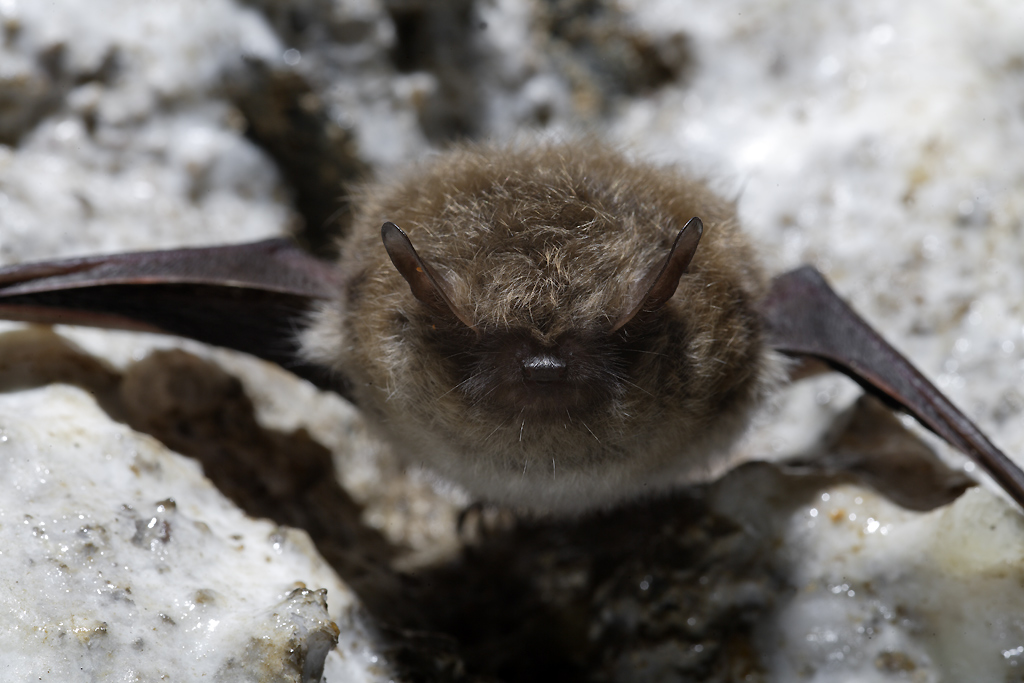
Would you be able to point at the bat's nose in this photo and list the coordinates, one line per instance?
(543, 368)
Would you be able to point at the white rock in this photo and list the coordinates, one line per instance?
(119, 556)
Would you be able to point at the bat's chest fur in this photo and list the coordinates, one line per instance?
(554, 458)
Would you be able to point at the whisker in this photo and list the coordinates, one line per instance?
(500, 425)
(485, 395)
(650, 353)
(465, 381)
(635, 385)
(589, 430)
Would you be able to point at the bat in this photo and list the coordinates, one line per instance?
(555, 327)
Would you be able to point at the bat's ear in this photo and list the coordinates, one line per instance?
(426, 285)
(661, 282)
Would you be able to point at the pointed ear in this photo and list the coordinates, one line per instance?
(426, 285)
(661, 282)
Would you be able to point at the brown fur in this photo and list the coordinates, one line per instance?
(540, 247)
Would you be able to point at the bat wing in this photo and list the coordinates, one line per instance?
(249, 297)
(256, 297)
(804, 317)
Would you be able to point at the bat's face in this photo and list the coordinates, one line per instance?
(520, 380)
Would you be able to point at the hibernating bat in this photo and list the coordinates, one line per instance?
(554, 327)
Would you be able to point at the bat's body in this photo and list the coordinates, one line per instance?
(536, 368)
(561, 337)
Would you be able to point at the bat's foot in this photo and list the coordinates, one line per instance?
(480, 520)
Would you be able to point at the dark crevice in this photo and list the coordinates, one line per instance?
(26, 102)
(440, 38)
(605, 58)
(317, 157)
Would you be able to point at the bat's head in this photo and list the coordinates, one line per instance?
(538, 361)
(548, 326)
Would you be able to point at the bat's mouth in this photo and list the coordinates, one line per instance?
(549, 386)
(518, 376)
(548, 399)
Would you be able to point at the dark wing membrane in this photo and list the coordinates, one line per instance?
(805, 317)
(249, 297)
